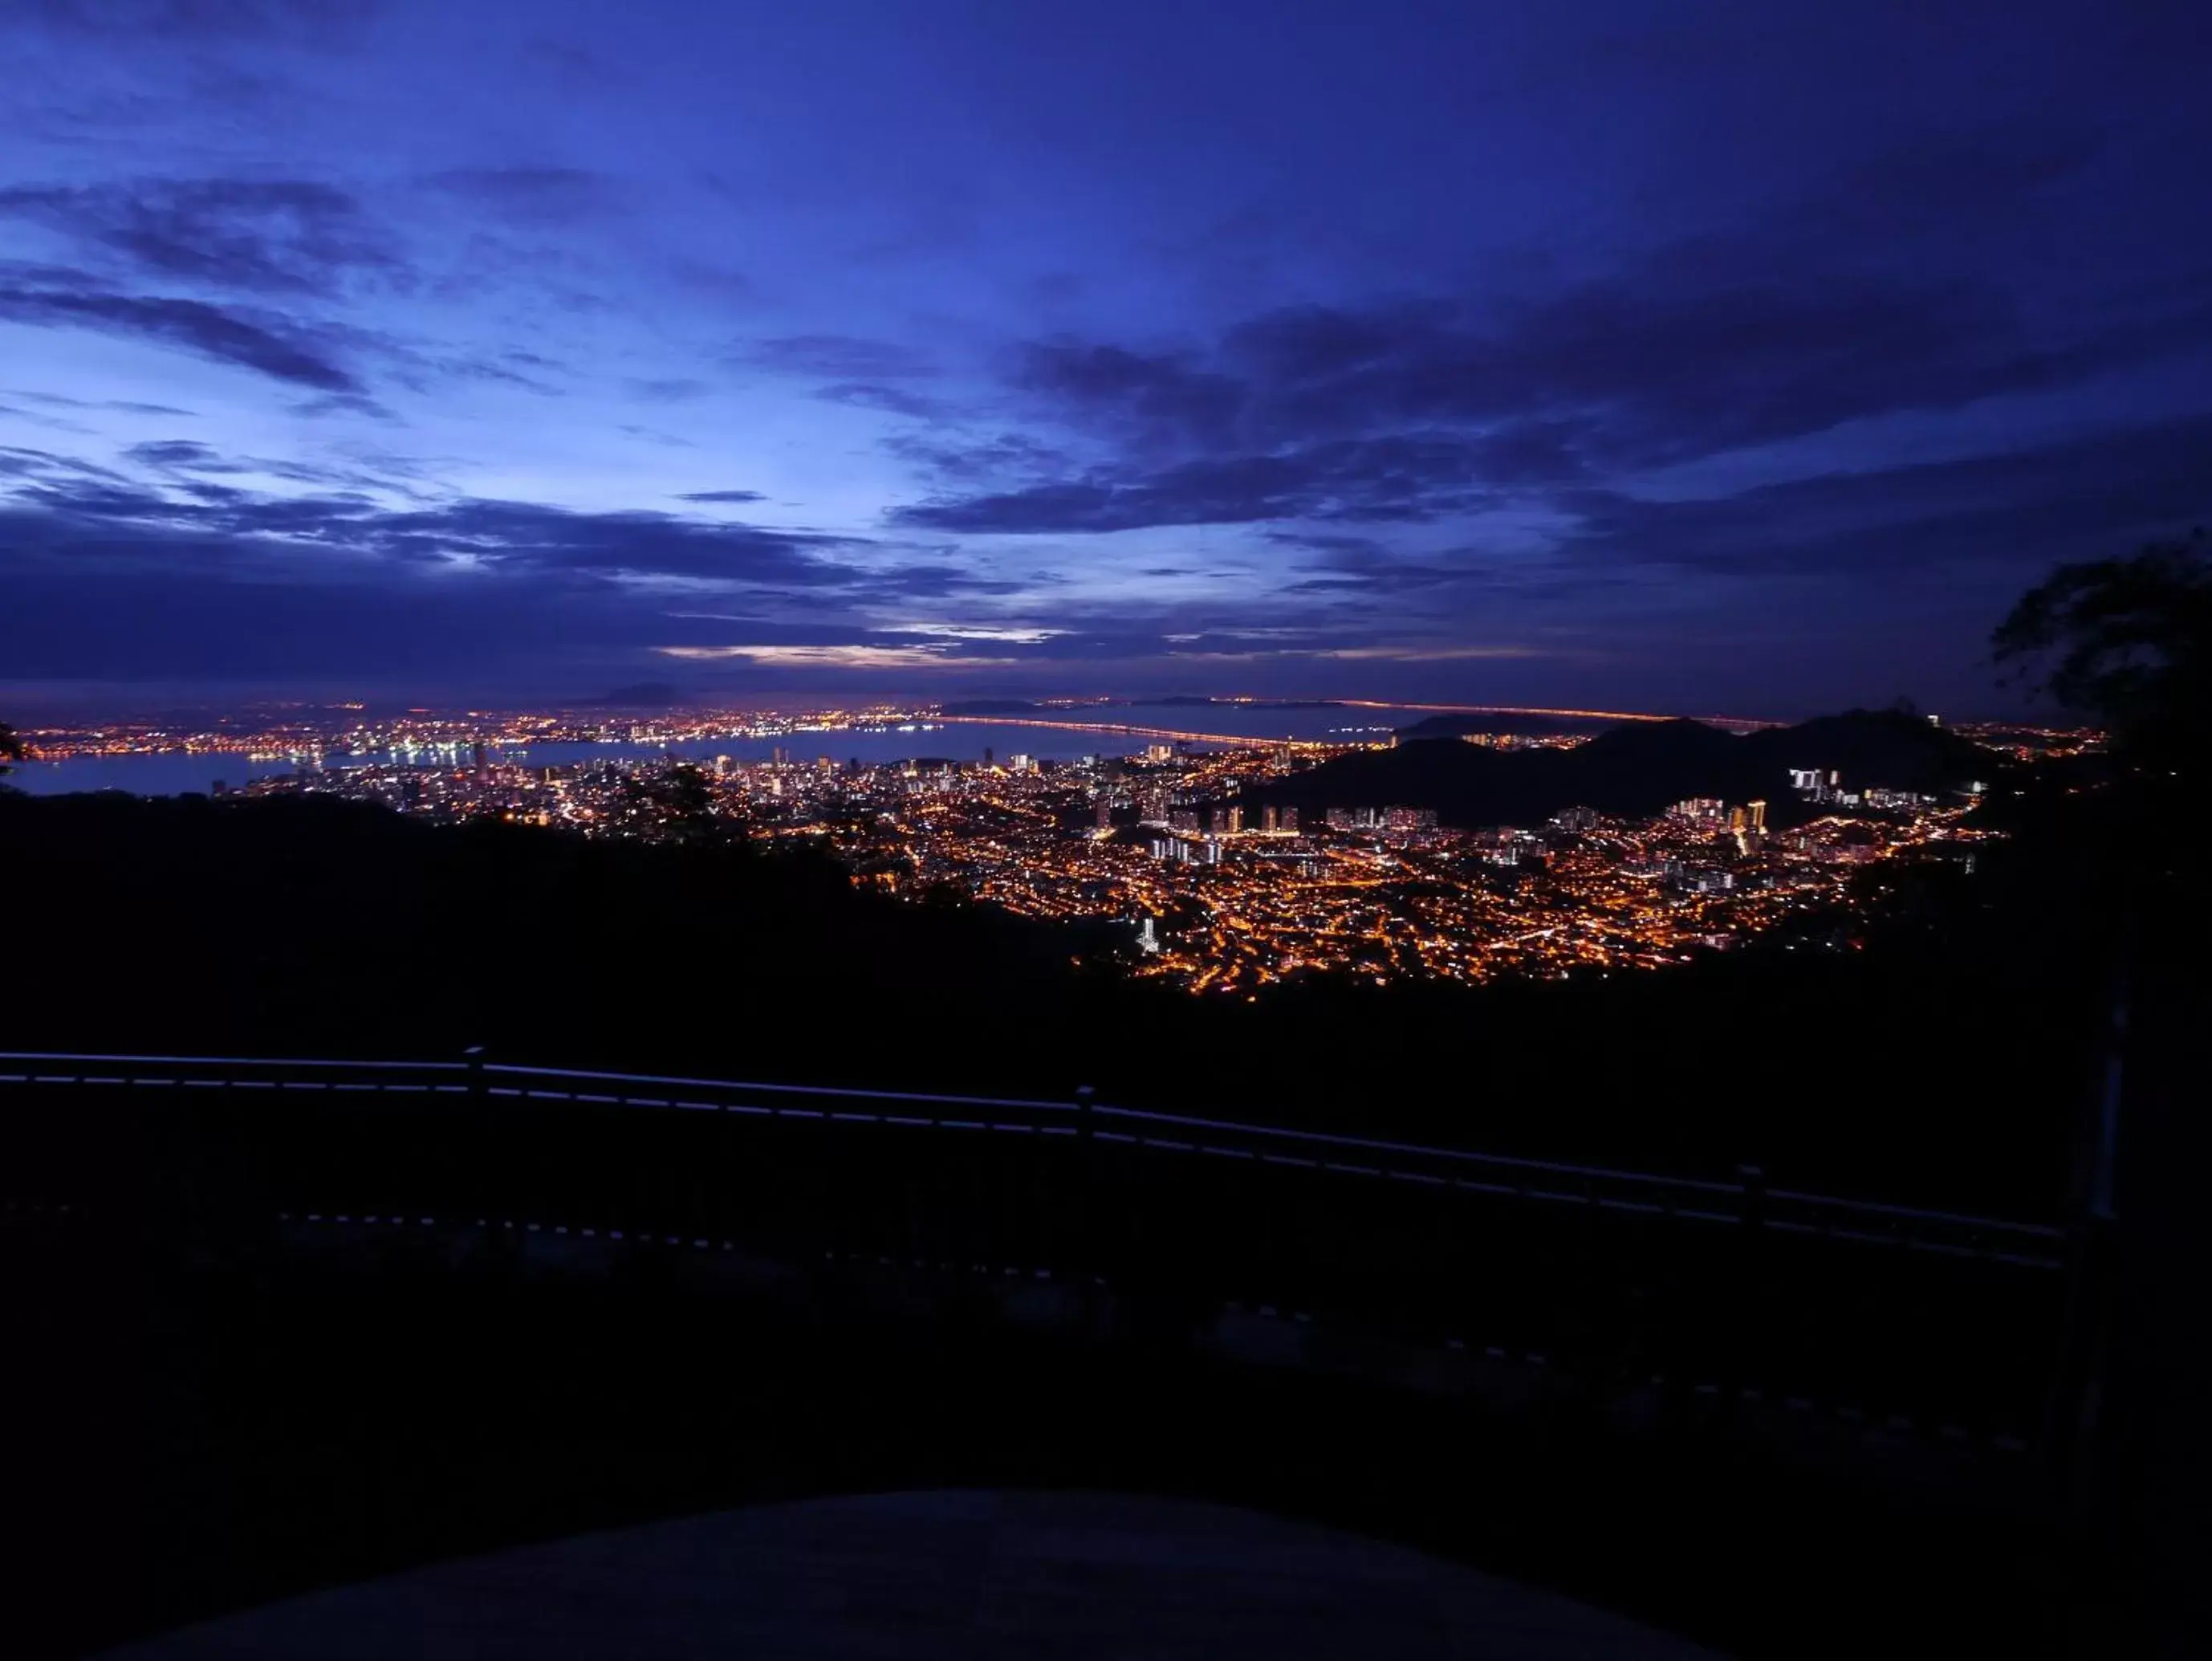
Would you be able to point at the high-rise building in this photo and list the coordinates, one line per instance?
(1755, 812)
(1236, 820)
(1021, 763)
(1270, 819)
(1105, 811)
(1290, 820)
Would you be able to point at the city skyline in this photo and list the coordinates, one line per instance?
(379, 349)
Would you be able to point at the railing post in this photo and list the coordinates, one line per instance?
(1754, 1282)
(474, 1055)
(1086, 1195)
(1754, 1206)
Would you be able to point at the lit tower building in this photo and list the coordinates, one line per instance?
(1755, 812)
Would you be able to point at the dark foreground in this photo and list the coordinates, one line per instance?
(256, 1362)
(933, 1575)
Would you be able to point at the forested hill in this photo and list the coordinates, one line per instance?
(1640, 769)
(294, 926)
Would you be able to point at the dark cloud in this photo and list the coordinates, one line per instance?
(836, 357)
(1010, 455)
(187, 456)
(1417, 412)
(721, 496)
(19, 461)
(1763, 332)
(1405, 479)
(265, 235)
(281, 350)
(178, 452)
(321, 23)
(2010, 514)
(202, 579)
(891, 400)
(934, 582)
(534, 195)
(672, 390)
(78, 513)
(61, 401)
(357, 404)
(1148, 400)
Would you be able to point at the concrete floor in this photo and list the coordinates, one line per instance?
(1074, 1577)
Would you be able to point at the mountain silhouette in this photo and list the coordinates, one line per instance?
(1639, 769)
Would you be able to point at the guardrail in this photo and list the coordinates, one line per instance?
(1900, 1313)
(1745, 1202)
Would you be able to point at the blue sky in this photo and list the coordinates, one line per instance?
(1714, 356)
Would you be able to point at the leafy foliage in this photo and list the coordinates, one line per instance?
(2128, 642)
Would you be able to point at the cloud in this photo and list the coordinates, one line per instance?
(127, 406)
(830, 657)
(1401, 478)
(296, 237)
(2010, 514)
(672, 390)
(178, 452)
(654, 435)
(891, 400)
(996, 460)
(1771, 333)
(318, 22)
(836, 357)
(280, 349)
(517, 538)
(1147, 401)
(721, 496)
(355, 404)
(532, 195)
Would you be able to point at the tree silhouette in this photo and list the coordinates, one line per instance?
(2127, 642)
(11, 748)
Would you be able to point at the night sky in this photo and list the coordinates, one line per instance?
(1684, 356)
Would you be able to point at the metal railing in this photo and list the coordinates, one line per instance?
(1744, 1202)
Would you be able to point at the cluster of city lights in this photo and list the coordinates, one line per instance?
(1215, 886)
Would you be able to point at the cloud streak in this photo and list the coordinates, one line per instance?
(278, 348)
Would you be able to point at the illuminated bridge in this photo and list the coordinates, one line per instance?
(412, 1309)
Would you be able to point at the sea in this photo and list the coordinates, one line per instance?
(170, 773)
